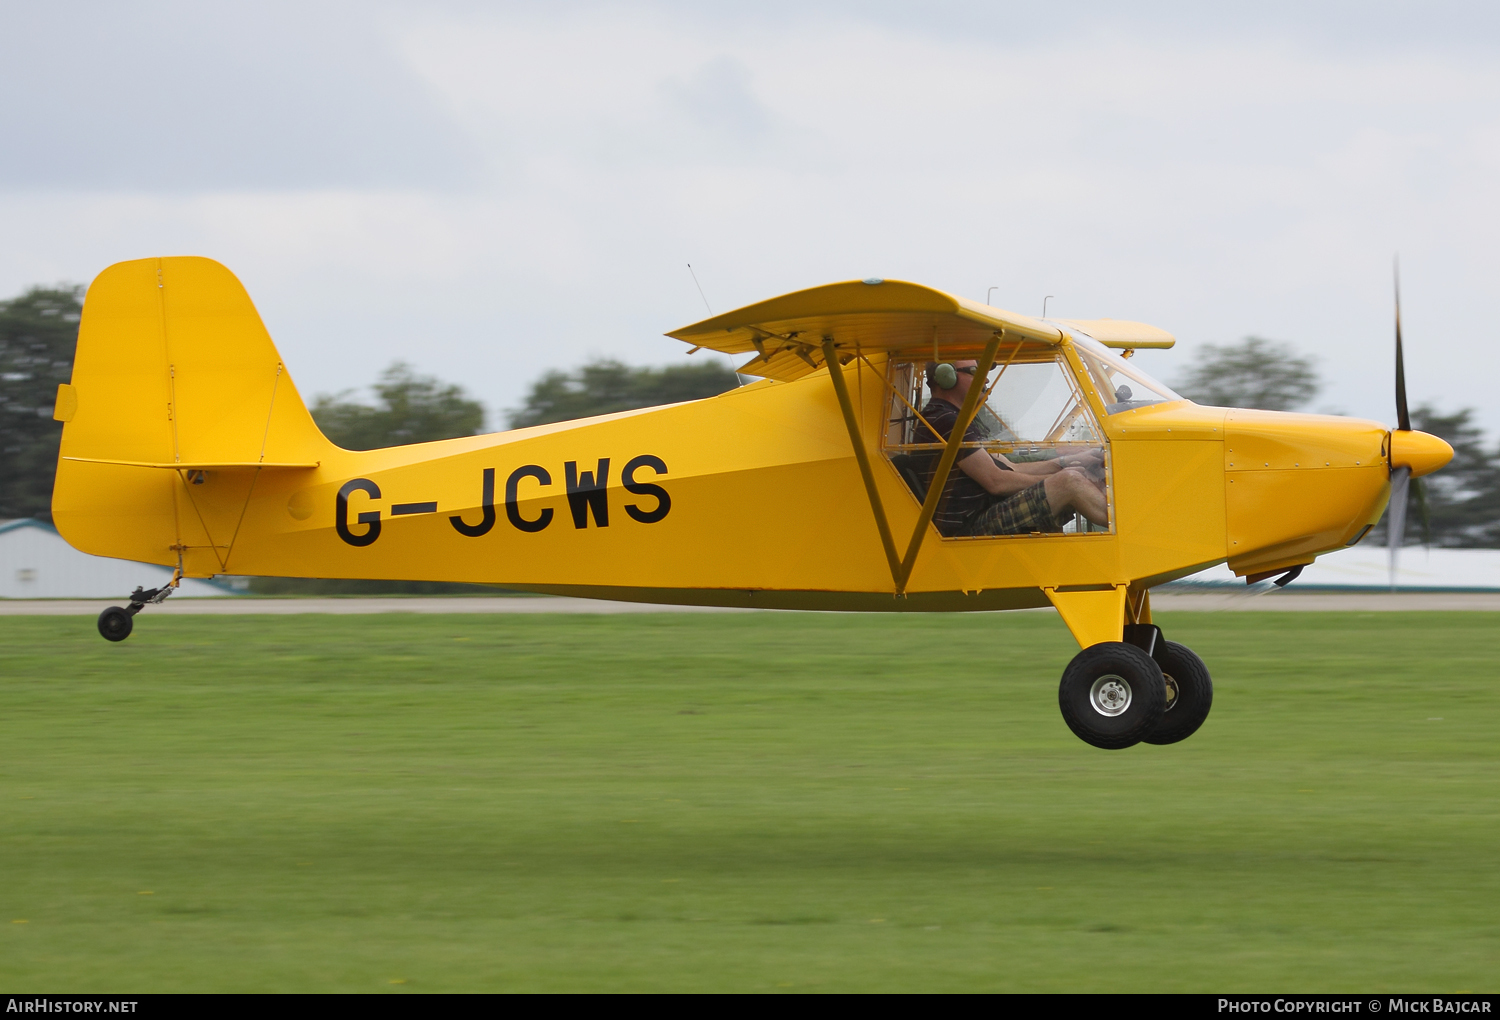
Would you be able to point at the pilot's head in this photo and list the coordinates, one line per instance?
(961, 378)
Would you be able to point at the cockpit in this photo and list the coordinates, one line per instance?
(1032, 411)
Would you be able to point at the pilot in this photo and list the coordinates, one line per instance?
(988, 494)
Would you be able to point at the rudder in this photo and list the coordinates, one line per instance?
(178, 401)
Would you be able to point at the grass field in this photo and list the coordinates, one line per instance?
(739, 802)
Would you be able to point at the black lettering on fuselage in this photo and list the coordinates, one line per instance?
(663, 501)
(588, 491)
(368, 517)
(512, 502)
(487, 504)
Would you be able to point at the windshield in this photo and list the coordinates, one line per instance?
(1120, 385)
(1036, 402)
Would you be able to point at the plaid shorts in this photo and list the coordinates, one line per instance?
(1019, 514)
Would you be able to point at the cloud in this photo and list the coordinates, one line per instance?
(191, 97)
(492, 191)
(717, 100)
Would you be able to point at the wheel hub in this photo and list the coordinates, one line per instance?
(1171, 691)
(1110, 695)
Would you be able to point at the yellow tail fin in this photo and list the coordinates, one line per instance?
(175, 381)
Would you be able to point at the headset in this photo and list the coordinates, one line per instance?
(943, 375)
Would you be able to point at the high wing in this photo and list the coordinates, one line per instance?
(1122, 334)
(867, 316)
(206, 465)
(907, 320)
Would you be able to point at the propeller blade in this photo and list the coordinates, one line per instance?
(1424, 510)
(1395, 518)
(1403, 417)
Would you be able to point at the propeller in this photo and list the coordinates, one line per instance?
(1403, 417)
(1401, 477)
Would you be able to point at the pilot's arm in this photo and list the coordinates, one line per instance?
(1091, 461)
(999, 476)
(995, 479)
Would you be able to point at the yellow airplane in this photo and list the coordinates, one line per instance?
(839, 481)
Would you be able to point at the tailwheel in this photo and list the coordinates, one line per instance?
(115, 623)
(1190, 693)
(1112, 695)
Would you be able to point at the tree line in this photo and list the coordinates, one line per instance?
(39, 329)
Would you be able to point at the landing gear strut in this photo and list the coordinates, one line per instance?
(1120, 693)
(116, 622)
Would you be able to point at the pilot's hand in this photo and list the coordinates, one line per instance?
(1089, 460)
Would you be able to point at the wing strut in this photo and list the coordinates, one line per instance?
(836, 373)
(950, 456)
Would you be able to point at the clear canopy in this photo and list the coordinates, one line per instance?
(1120, 384)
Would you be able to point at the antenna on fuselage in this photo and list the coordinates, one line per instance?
(700, 288)
(737, 377)
(989, 292)
(1049, 297)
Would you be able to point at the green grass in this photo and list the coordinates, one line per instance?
(739, 802)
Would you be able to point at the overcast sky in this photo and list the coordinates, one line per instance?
(491, 190)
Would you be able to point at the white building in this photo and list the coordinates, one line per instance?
(35, 563)
(1367, 568)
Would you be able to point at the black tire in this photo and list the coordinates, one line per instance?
(1194, 694)
(115, 624)
(1112, 695)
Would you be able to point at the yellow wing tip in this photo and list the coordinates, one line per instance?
(1123, 334)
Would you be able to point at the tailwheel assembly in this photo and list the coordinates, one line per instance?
(1113, 695)
(116, 622)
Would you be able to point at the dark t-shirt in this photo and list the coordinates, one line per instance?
(962, 496)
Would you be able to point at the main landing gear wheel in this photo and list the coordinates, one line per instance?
(1112, 695)
(115, 624)
(1190, 693)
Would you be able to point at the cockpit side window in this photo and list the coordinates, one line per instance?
(1033, 414)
